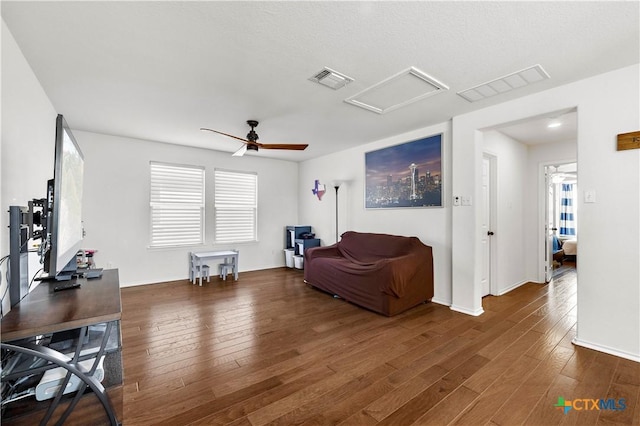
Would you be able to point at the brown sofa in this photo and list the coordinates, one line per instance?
(387, 274)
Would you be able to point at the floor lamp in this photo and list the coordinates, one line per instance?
(336, 185)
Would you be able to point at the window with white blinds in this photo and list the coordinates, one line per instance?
(236, 206)
(176, 205)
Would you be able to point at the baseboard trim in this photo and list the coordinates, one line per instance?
(475, 313)
(440, 302)
(512, 287)
(606, 349)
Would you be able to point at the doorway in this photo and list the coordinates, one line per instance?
(561, 220)
(521, 149)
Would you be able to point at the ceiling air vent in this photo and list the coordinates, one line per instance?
(332, 79)
(505, 84)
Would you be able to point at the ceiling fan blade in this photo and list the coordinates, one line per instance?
(225, 134)
(240, 152)
(296, 147)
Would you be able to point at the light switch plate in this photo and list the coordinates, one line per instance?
(590, 196)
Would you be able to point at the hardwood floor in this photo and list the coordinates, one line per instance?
(268, 349)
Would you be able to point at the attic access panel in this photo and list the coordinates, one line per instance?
(404, 88)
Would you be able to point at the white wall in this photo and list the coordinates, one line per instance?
(511, 157)
(116, 206)
(28, 140)
(534, 215)
(608, 270)
(431, 225)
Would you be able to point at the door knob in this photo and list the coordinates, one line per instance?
(489, 232)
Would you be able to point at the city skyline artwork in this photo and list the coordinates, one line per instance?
(405, 175)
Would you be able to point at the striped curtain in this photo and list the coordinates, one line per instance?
(567, 223)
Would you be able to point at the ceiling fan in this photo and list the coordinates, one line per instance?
(252, 144)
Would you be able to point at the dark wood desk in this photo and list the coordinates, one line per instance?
(44, 312)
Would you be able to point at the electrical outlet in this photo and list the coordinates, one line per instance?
(466, 200)
(456, 200)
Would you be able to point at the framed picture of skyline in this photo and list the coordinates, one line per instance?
(405, 175)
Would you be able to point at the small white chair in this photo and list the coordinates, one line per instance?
(202, 271)
(225, 269)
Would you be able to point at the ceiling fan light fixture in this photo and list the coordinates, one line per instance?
(240, 152)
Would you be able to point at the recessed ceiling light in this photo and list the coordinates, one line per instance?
(554, 124)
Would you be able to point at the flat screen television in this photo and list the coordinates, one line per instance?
(64, 199)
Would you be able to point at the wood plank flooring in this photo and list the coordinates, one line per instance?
(268, 349)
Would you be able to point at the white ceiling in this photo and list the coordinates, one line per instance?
(536, 130)
(161, 70)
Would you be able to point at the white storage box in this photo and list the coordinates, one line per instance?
(288, 257)
(298, 261)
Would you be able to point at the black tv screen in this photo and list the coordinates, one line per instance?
(65, 221)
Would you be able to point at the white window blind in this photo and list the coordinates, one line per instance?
(177, 205)
(236, 206)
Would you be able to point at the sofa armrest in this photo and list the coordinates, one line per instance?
(326, 251)
(402, 270)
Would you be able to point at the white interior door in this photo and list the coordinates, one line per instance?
(486, 231)
(549, 222)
